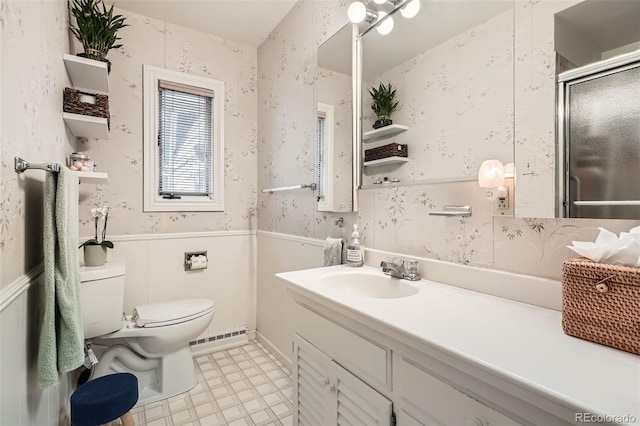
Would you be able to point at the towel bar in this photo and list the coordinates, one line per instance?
(311, 186)
(21, 165)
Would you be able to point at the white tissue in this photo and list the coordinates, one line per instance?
(611, 249)
(198, 262)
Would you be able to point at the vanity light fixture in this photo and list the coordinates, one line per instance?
(410, 8)
(491, 176)
(358, 12)
(386, 26)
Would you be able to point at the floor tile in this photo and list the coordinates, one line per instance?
(242, 386)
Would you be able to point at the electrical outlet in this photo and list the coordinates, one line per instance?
(503, 203)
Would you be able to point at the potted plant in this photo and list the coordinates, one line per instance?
(96, 28)
(95, 252)
(383, 104)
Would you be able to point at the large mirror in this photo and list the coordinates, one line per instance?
(452, 69)
(479, 79)
(334, 148)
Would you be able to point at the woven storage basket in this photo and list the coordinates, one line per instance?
(601, 303)
(386, 151)
(72, 104)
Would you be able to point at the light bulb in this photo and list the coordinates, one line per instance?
(380, 1)
(385, 27)
(357, 12)
(491, 174)
(410, 9)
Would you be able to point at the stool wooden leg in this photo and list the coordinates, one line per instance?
(127, 419)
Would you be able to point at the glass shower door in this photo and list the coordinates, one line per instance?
(602, 144)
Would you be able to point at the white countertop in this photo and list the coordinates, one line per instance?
(523, 343)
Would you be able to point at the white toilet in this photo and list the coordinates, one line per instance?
(152, 342)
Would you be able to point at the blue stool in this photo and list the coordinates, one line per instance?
(104, 399)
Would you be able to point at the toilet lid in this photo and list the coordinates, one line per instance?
(174, 312)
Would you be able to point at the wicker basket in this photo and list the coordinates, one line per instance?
(386, 151)
(601, 303)
(72, 104)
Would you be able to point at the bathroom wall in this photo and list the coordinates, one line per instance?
(33, 79)
(33, 37)
(154, 42)
(153, 244)
(397, 219)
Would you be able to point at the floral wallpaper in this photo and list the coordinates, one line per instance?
(33, 37)
(457, 100)
(158, 43)
(397, 219)
(289, 86)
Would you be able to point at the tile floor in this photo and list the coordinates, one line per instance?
(246, 385)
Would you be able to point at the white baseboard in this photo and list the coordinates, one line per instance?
(275, 351)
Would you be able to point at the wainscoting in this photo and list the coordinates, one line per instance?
(155, 273)
(22, 401)
(280, 253)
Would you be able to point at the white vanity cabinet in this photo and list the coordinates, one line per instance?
(327, 394)
(342, 376)
(450, 356)
(427, 400)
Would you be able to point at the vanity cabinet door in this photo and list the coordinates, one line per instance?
(324, 393)
(430, 401)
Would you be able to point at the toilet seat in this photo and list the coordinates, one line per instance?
(169, 313)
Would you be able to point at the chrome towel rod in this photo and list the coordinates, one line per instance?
(21, 165)
(311, 186)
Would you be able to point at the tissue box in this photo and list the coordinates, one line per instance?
(601, 303)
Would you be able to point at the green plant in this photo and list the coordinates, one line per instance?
(96, 27)
(96, 214)
(384, 103)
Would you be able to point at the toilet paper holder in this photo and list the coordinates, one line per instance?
(193, 260)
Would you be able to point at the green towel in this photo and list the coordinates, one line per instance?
(334, 251)
(61, 347)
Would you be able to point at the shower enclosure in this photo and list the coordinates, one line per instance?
(599, 139)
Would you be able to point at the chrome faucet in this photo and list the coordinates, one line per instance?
(396, 268)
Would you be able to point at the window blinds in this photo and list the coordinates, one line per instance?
(320, 166)
(185, 140)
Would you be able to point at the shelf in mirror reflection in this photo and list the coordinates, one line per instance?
(388, 160)
(384, 132)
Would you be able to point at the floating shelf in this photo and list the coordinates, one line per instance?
(100, 178)
(384, 132)
(86, 126)
(388, 160)
(86, 73)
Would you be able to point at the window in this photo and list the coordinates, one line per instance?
(184, 147)
(324, 156)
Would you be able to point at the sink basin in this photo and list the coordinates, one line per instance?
(368, 284)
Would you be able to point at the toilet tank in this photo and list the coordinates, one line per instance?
(102, 298)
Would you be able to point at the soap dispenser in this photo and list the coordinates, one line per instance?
(355, 250)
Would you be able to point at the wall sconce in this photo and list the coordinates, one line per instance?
(491, 176)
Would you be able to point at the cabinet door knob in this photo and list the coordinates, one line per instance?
(474, 422)
(332, 388)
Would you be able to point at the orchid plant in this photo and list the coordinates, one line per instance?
(96, 214)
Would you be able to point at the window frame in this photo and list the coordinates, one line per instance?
(325, 204)
(153, 201)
